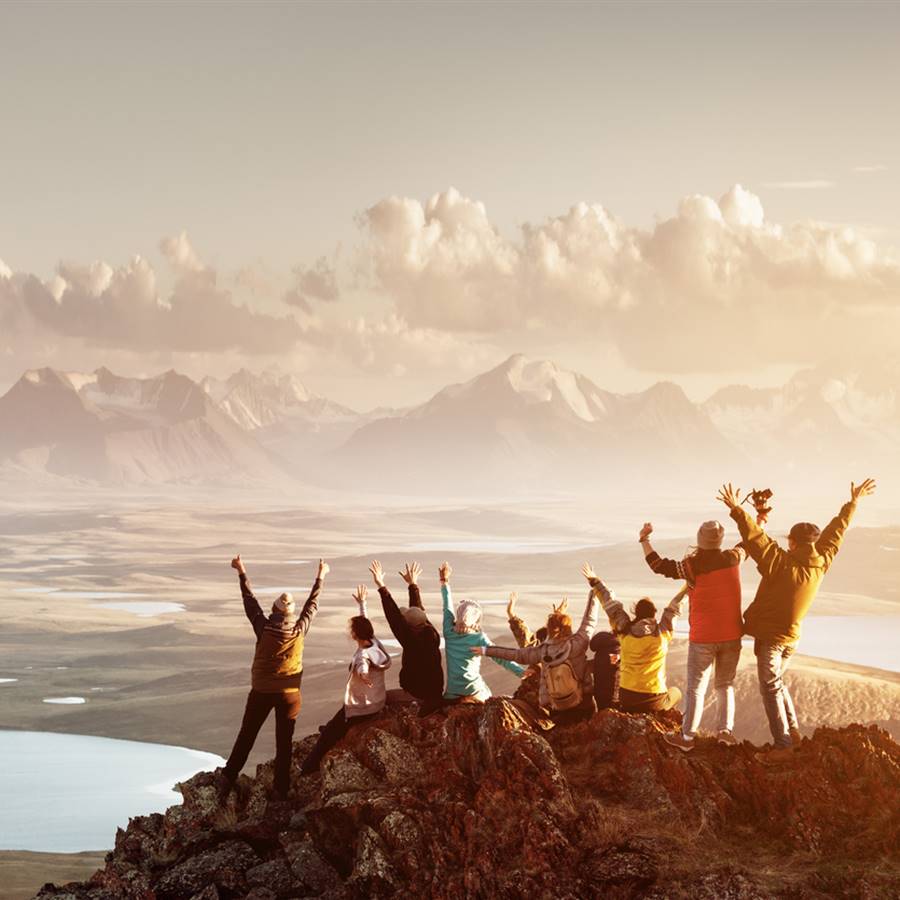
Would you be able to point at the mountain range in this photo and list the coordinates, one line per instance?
(524, 420)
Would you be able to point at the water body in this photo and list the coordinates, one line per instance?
(66, 701)
(63, 793)
(144, 608)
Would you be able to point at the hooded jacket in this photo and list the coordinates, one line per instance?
(790, 578)
(644, 643)
(368, 664)
(553, 653)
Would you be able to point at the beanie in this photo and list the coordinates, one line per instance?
(414, 616)
(804, 533)
(284, 603)
(710, 535)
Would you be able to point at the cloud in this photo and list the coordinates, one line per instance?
(814, 184)
(713, 282)
(180, 253)
(318, 282)
(865, 170)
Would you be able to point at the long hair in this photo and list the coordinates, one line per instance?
(559, 626)
(361, 628)
(645, 608)
(468, 617)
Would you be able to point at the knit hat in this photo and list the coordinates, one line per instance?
(284, 603)
(804, 533)
(414, 616)
(710, 535)
(468, 617)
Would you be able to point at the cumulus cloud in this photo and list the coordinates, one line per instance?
(715, 280)
(180, 253)
(317, 282)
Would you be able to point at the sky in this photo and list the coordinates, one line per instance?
(388, 197)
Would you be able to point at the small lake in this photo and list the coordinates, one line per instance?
(63, 793)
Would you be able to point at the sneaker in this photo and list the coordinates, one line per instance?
(680, 741)
(796, 737)
(775, 757)
(727, 738)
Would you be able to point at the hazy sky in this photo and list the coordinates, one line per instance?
(284, 157)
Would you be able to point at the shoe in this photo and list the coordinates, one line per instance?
(224, 787)
(680, 741)
(796, 737)
(727, 738)
(278, 796)
(775, 757)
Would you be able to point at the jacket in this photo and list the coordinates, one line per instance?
(367, 664)
(278, 660)
(790, 578)
(644, 643)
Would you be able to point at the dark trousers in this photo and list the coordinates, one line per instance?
(580, 713)
(287, 707)
(329, 734)
(638, 702)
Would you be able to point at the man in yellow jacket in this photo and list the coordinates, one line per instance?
(790, 581)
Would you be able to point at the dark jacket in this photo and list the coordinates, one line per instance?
(790, 578)
(421, 672)
(606, 673)
(278, 661)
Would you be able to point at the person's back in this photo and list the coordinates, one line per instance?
(605, 664)
(365, 693)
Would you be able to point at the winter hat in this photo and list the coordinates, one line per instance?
(804, 533)
(415, 616)
(468, 617)
(710, 535)
(284, 603)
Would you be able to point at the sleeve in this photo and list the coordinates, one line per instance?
(528, 655)
(361, 665)
(589, 620)
(310, 608)
(672, 612)
(252, 609)
(831, 538)
(668, 568)
(765, 552)
(449, 618)
(618, 618)
(415, 597)
(508, 664)
(521, 632)
(393, 615)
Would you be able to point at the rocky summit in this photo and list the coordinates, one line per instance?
(485, 801)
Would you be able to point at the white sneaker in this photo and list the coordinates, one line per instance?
(680, 741)
(727, 738)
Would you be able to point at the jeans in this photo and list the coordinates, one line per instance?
(287, 706)
(771, 663)
(701, 657)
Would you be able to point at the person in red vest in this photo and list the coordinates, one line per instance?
(714, 591)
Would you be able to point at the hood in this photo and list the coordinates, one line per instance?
(555, 652)
(377, 655)
(807, 555)
(643, 627)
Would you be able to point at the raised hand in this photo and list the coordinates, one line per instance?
(862, 490)
(411, 573)
(237, 564)
(324, 569)
(511, 605)
(563, 606)
(444, 572)
(730, 496)
(588, 571)
(377, 573)
(646, 531)
(361, 593)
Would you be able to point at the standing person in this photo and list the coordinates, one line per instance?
(790, 581)
(462, 632)
(607, 654)
(565, 686)
(714, 594)
(275, 678)
(365, 694)
(645, 645)
(421, 672)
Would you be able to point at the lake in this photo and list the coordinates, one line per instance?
(63, 793)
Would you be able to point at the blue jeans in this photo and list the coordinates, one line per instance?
(701, 657)
(771, 663)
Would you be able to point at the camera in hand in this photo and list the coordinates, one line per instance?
(760, 502)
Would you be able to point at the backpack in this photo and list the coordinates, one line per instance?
(563, 686)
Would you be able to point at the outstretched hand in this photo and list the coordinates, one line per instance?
(324, 569)
(377, 573)
(444, 572)
(511, 605)
(361, 593)
(646, 531)
(730, 496)
(237, 564)
(476, 651)
(862, 490)
(411, 573)
(588, 571)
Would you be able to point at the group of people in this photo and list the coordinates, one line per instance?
(559, 682)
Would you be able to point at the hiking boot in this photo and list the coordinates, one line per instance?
(680, 741)
(727, 738)
(796, 737)
(224, 787)
(776, 756)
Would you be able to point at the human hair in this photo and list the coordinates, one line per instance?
(361, 628)
(645, 608)
(559, 626)
(541, 634)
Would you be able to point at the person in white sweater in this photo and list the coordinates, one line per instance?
(365, 694)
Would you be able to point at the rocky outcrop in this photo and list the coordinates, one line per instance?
(483, 802)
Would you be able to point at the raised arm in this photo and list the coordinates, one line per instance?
(410, 575)
(831, 538)
(444, 573)
(521, 632)
(360, 595)
(618, 618)
(589, 619)
(252, 609)
(392, 613)
(311, 607)
(672, 611)
(764, 551)
(668, 568)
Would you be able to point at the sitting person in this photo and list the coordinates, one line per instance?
(462, 632)
(607, 651)
(364, 695)
(714, 593)
(645, 644)
(421, 672)
(565, 681)
(529, 688)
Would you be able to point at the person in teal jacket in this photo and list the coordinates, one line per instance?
(462, 631)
